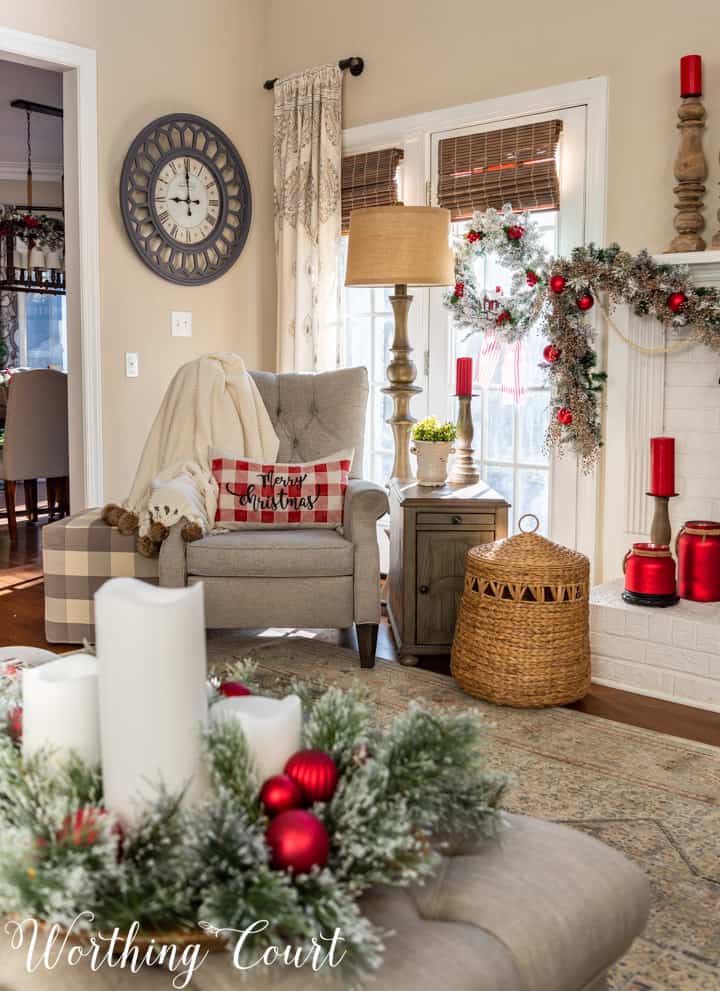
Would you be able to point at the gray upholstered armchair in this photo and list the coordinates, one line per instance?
(303, 578)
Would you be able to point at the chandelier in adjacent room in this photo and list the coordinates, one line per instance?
(32, 243)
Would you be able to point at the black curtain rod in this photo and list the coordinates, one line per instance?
(355, 64)
(37, 108)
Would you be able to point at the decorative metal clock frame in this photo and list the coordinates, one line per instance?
(211, 153)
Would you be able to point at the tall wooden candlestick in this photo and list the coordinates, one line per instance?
(691, 173)
(660, 530)
(464, 470)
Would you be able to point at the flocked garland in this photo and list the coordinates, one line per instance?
(555, 296)
(395, 791)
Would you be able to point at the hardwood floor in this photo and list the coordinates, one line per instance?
(22, 622)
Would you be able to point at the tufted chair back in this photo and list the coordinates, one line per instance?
(316, 415)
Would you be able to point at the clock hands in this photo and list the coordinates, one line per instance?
(185, 199)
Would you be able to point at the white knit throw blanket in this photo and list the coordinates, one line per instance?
(211, 402)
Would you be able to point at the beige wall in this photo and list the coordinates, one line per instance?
(422, 55)
(155, 58)
(44, 193)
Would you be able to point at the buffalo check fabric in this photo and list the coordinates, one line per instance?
(80, 553)
(254, 495)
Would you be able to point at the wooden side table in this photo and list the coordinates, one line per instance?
(431, 531)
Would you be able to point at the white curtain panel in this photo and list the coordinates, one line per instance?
(307, 157)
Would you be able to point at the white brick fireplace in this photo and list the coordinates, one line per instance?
(670, 653)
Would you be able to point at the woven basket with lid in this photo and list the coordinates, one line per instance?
(522, 634)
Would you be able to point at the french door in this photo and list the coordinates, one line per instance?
(509, 435)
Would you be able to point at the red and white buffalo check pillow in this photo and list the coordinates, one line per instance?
(252, 494)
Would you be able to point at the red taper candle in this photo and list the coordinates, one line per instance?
(691, 75)
(662, 466)
(463, 377)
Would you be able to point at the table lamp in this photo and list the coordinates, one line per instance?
(400, 246)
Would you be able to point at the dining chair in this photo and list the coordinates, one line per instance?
(36, 443)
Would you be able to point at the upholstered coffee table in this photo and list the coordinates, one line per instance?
(543, 908)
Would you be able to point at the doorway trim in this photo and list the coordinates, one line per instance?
(79, 68)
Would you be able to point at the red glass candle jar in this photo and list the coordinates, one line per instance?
(698, 553)
(649, 576)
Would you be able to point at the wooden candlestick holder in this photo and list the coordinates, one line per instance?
(691, 173)
(464, 470)
(660, 530)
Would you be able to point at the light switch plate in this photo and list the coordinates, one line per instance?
(132, 364)
(181, 323)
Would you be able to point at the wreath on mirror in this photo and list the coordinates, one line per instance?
(555, 295)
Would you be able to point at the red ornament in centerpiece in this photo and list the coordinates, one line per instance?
(565, 416)
(281, 793)
(551, 354)
(298, 841)
(233, 689)
(676, 301)
(532, 278)
(15, 722)
(585, 302)
(558, 283)
(316, 773)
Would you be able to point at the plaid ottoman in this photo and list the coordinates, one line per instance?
(80, 553)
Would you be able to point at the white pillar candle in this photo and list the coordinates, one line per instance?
(272, 728)
(153, 701)
(60, 708)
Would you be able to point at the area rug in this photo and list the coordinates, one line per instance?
(654, 797)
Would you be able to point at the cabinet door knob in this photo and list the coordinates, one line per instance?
(456, 520)
(424, 589)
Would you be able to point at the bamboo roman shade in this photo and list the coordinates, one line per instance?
(369, 179)
(515, 165)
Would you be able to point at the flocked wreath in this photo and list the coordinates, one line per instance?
(555, 294)
(374, 804)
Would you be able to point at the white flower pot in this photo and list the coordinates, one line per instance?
(432, 461)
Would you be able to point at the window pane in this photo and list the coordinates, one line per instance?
(533, 376)
(357, 300)
(359, 341)
(533, 496)
(382, 410)
(383, 339)
(532, 424)
(45, 331)
(501, 479)
(382, 466)
(381, 299)
(500, 428)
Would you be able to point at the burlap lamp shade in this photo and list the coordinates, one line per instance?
(400, 246)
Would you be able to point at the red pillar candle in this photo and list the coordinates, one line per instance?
(691, 75)
(662, 466)
(463, 377)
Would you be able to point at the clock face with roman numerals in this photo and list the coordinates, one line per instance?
(185, 199)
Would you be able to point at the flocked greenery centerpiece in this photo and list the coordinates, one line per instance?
(395, 791)
(556, 295)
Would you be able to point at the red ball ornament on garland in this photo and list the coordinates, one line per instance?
(565, 416)
(298, 841)
(558, 283)
(676, 301)
(281, 793)
(233, 689)
(459, 289)
(316, 773)
(515, 232)
(532, 278)
(473, 236)
(551, 354)
(585, 302)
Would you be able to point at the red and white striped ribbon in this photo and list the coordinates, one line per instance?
(487, 359)
(511, 375)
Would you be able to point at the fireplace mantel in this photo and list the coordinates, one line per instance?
(637, 409)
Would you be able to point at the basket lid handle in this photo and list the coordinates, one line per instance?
(529, 516)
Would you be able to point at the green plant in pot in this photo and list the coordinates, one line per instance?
(433, 445)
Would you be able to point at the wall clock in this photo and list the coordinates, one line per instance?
(185, 199)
